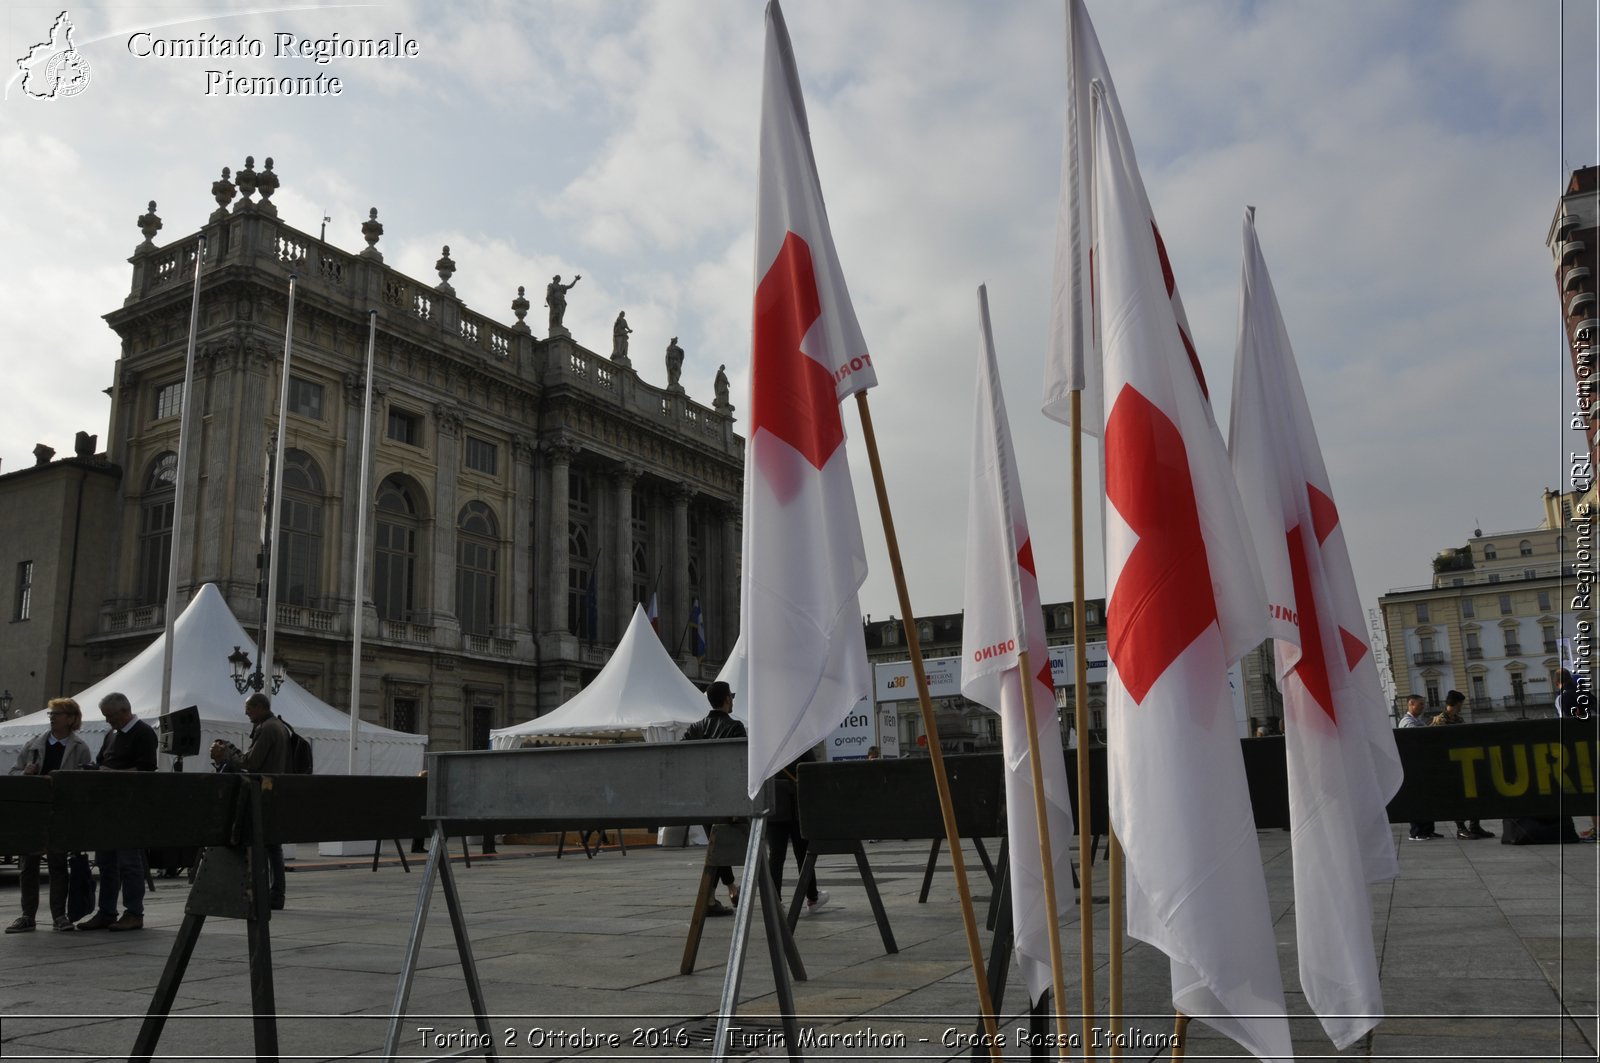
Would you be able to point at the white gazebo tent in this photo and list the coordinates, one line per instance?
(203, 637)
(640, 695)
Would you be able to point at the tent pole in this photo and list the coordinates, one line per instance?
(358, 597)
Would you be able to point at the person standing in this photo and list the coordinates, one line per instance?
(130, 745)
(268, 755)
(783, 831)
(718, 723)
(1421, 830)
(1466, 830)
(59, 749)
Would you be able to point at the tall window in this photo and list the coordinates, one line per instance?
(1479, 692)
(639, 529)
(477, 559)
(1544, 601)
(305, 398)
(395, 577)
(1422, 613)
(169, 400)
(1505, 605)
(24, 591)
(580, 563)
(405, 427)
(1468, 610)
(299, 563)
(403, 715)
(155, 529)
(482, 455)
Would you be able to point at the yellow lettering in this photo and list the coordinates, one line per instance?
(1468, 757)
(1558, 761)
(1497, 772)
(1541, 766)
(1585, 768)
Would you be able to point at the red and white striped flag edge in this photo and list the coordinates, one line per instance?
(1186, 601)
(804, 560)
(1003, 618)
(1342, 762)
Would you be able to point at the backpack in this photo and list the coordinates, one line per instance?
(300, 760)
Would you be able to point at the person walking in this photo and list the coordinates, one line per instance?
(718, 723)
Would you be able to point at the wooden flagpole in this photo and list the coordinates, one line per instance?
(1058, 980)
(1080, 699)
(931, 728)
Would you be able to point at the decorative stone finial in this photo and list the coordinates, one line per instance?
(266, 184)
(222, 190)
(371, 229)
(446, 269)
(246, 180)
(519, 306)
(149, 224)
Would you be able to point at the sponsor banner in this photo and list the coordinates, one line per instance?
(892, 680)
(849, 741)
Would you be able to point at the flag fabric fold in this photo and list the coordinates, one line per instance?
(1002, 620)
(1186, 600)
(1342, 761)
(804, 560)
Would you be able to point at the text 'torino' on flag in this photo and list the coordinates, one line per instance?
(804, 561)
(1185, 601)
(1342, 762)
(1002, 618)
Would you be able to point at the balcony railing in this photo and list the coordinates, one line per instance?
(1431, 657)
(401, 631)
(1474, 653)
(300, 616)
(489, 646)
(1513, 649)
(135, 619)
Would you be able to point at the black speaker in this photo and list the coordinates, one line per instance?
(180, 732)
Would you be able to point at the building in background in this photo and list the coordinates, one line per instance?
(526, 491)
(1492, 621)
(1574, 243)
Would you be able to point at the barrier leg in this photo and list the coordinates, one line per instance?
(469, 966)
(419, 923)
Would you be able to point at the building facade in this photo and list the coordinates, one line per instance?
(1496, 623)
(525, 492)
(1574, 243)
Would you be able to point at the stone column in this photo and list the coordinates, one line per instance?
(447, 455)
(675, 611)
(523, 474)
(728, 575)
(621, 568)
(558, 455)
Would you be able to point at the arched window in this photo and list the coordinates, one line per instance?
(299, 562)
(477, 562)
(155, 528)
(394, 579)
(1525, 548)
(1489, 552)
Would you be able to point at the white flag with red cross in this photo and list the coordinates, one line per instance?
(804, 561)
(1343, 765)
(1186, 600)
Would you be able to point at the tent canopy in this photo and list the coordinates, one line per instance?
(639, 694)
(203, 637)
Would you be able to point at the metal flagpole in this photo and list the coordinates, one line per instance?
(931, 727)
(265, 667)
(358, 609)
(185, 429)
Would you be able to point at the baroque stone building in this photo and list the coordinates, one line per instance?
(526, 491)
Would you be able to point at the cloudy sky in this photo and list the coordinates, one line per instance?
(1405, 159)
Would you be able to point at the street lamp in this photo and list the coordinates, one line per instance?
(245, 679)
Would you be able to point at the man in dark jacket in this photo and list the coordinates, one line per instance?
(130, 745)
(268, 755)
(718, 723)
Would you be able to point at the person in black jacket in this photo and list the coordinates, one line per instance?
(130, 745)
(718, 723)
